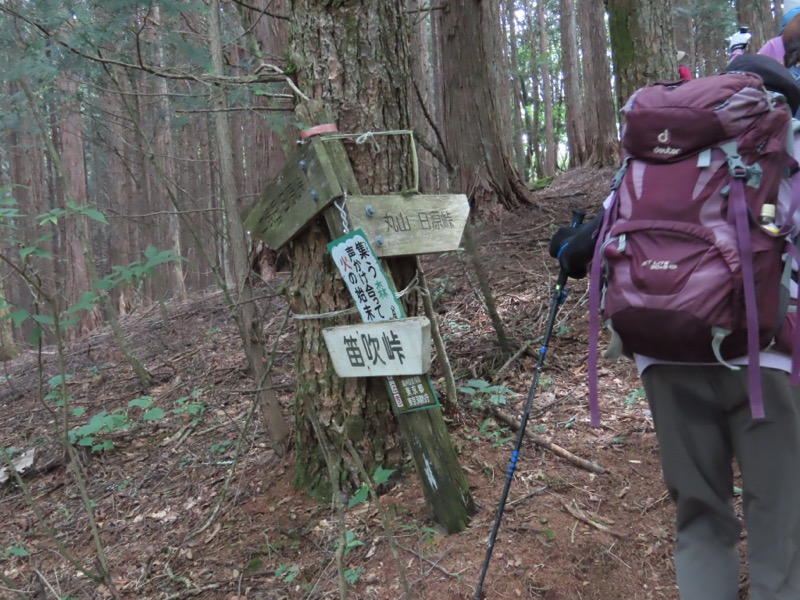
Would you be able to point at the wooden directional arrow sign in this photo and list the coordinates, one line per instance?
(400, 225)
(401, 347)
(306, 185)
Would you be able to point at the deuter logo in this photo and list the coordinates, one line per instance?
(659, 265)
(663, 137)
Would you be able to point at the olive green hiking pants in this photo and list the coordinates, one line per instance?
(702, 419)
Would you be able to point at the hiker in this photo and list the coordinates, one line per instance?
(683, 71)
(791, 44)
(774, 47)
(703, 420)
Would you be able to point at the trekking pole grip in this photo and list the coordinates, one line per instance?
(578, 215)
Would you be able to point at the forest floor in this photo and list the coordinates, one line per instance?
(567, 532)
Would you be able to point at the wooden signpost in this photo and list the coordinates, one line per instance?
(320, 173)
(400, 347)
(398, 225)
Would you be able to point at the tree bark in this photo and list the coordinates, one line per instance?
(757, 15)
(473, 105)
(345, 55)
(570, 63)
(516, 94)
(547, 95)
(598, 99)
(246, 318)
(642, 44)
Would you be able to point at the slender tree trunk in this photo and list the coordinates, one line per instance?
(756, 14)
(165, 162)
(516, 95)
(570, 63)
(547, 94)
(423, 109)
(249, 326)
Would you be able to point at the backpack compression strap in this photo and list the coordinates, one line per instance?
(740, 217)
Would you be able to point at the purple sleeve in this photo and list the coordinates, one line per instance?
(774, 49)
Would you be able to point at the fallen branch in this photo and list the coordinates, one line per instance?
(594, 521)
(435, 565)
(517, 354)
(545, 443)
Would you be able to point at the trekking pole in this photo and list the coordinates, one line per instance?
(559, 295)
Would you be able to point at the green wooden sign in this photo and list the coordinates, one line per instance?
(305, 186)
(374, 296)
(399, 225)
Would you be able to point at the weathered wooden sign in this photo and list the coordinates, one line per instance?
(401, 347)
(375, 299)
(399, 225)
(301, 190)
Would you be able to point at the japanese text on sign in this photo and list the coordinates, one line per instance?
(429, 220)
(365, 278)
(369, 349)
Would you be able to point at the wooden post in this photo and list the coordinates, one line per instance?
(443, 482)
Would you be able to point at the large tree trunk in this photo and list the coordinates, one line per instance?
(476, 142)
(353, 56)
(598, 100)
(642, 44)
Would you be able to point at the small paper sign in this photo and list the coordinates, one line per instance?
(364, 277)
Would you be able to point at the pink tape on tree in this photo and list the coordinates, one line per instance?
(318, 129)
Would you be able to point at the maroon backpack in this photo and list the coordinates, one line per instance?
(682, 269)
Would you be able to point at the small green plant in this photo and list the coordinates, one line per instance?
(287, 572)
(498, 436)
(380, 476)
(634, 396)
(190, 406)
(151, 413)
(104, 423)
(352, 575)
(14, 551)
(428, 535)
(351, 541)
(220, 447)
(101, 423)
(484, 394)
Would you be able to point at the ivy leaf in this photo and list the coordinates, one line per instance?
(154, 414)
(359, 497)
(382, 475)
